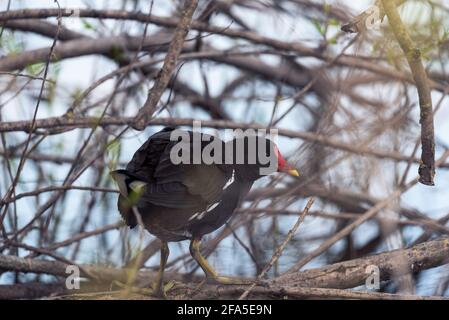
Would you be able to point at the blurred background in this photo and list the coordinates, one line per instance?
(348, 119)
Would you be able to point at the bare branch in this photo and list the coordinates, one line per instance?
(170, 62)
(346, 274)
(413, 55)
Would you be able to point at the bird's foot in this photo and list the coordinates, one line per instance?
(229, 280)
(153, 291)
(161, 291)
(127, 289)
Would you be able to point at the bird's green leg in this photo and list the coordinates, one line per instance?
(211, 274)
(158, 286)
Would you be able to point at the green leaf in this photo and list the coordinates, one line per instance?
(327, 8)
(113, 153)
(87, 25)
(10, 44)
(332, 40)
(35, 68)
(318, 26)
(334, 22)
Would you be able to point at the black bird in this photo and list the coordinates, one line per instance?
(185, 201)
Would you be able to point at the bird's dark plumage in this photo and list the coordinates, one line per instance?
(179, 201)
(183, 201)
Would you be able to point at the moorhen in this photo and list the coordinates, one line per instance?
(184, 201)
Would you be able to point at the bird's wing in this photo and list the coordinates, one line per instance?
(170, 195)
(193, 186)
(146, 158)
(199, 180)
(206, 181)
(177, 185)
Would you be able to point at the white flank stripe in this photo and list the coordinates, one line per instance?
(194, 216)
(230, 181)
(212, 207)
(200, 215)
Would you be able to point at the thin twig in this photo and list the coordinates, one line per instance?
(170, 62)
(277, 254)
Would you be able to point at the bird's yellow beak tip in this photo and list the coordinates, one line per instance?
(293, 172)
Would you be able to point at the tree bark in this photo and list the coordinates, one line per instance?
(344, 275)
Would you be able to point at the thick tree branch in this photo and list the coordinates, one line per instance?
(87, 122)
(413, 55)
(47, 29)
(352, 273)
(253, 37)
(32, 290)
(342, 275)
(57, 123)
